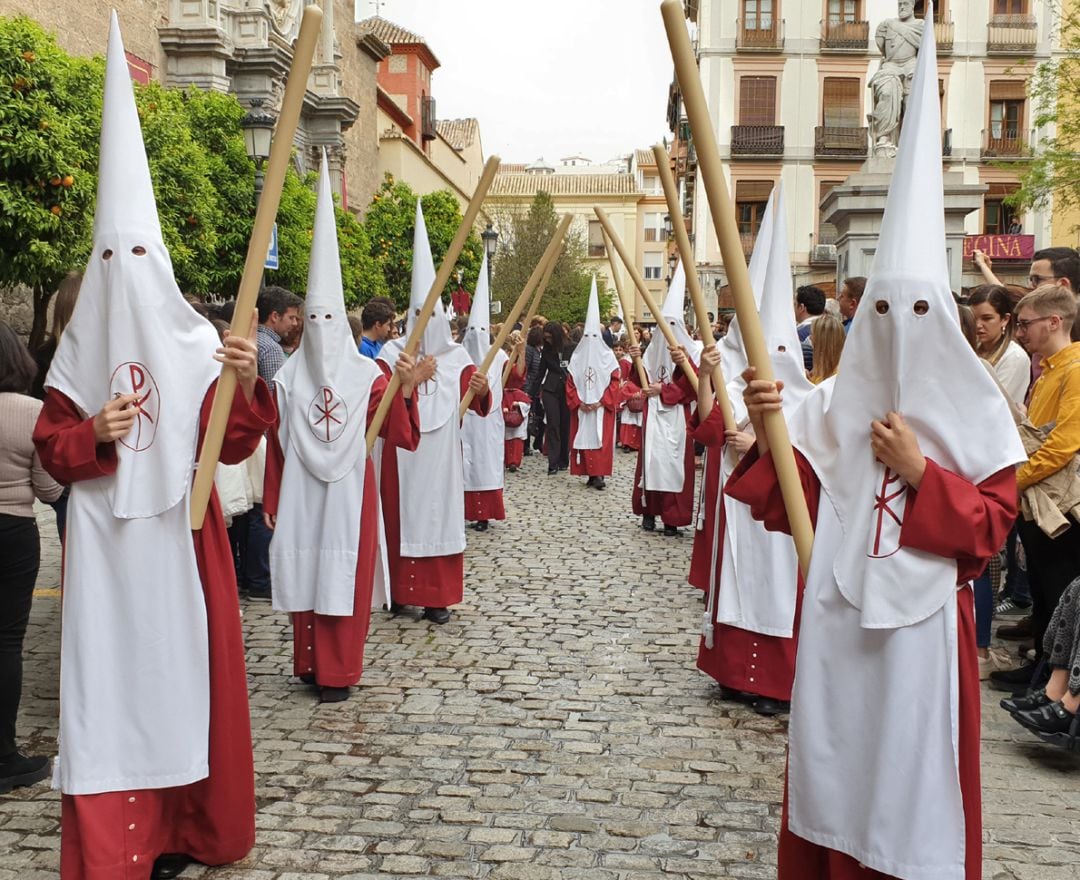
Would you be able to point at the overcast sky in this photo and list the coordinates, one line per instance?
(548, 78)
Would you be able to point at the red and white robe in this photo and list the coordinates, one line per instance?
(593, 462)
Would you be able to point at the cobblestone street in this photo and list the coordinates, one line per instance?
(556, 728)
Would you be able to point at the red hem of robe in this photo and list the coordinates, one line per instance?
(514, 450)
(673, 508)
(484, 504)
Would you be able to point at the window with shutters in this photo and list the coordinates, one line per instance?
(757, 100)
(1008, 99)
(844, 10)
(596, 239)
(998, 216)
(1010, 7)
(758, 15)
(654, 265)
(841, 103)
(654, 226)
(751, 199)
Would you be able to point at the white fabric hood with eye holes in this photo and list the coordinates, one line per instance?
(591, 366)
(657, 358)
(904, 353)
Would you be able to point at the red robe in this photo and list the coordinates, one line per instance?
(328, 647)
(514, 447)
(935, 520)
(117, 835)
(427, 581)
(674, 508)
(487, 504)
(593, 462)
(739, 659)
(629, 435)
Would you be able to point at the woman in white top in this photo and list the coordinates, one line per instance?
(992, 306)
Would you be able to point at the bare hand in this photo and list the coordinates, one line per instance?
(981, 260)
(652, 390)
(896, 446)
(740, 441)
(710, 358)
(589, 407)
(425, 369)
(405, 368)
(634, 351)
(678, 354)
(478, 384)
(242, 355)
(116, 418)
(271, 520)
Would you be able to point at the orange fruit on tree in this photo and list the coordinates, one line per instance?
(68, 181)
(57, 210)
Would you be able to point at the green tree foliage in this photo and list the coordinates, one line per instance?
(390, 223)
(525, 237)
(1054, 169)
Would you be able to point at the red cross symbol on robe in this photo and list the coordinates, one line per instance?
(134, 378)
(889, 500)
(327, 415)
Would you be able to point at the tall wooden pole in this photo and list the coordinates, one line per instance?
(248, 293)
(693, 286)
(550, 254)
(627, 308)
(534, 307)
(723, 216)
(416, 335)
(650, 303)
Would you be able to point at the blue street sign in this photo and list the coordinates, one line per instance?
(272, 253)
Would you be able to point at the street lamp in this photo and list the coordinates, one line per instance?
(258, 128)
(491, 238)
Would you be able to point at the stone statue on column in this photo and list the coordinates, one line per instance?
(898, 41)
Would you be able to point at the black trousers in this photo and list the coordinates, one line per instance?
(1052, 565)
(20, 550)
(557, 434)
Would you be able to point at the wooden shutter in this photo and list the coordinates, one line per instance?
(1008, 90)
(753, 190)
(842, 103)
(757, 100)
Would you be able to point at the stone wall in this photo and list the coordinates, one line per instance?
(17, 308)
(358, 69)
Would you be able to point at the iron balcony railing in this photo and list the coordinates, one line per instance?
(832, 141)
(757, 140)
(845, 36)
(759, 35)
(1012, 34)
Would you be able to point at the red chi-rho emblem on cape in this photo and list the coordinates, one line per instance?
(590, 378)
(134, 378)
(890, 498)
(327, 415)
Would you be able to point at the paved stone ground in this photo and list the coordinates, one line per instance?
(555, 729)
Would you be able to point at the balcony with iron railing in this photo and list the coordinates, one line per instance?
(845, 36)
(840, 142)
(944, 35)
(757, 140)
(1004, 143)
(759, 35)
(1012, 35)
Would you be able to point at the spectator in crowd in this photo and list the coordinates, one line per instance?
(827, 337)
(613, 331)
(809, 303)
(848, 300)
(378, 320)
(992, 307)
(1055, 265)
(553, 373)
(63, 305)
(356, 327)
(1044, 319)
(22, 479)
(279, 316)
(533, 342)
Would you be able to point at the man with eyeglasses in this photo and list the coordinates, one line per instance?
(1055, 265)
(1043, 322)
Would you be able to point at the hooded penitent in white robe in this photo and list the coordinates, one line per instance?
(482, 437)
(878, 637)
(430, 480)
(322, 393)
(134, 670)
(665, 438)
(591, 366)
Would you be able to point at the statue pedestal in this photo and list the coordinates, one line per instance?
(856, 207)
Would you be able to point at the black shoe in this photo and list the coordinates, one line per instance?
(169, 865)
(671, 532)
(1011, 680)
(648, 523)
(552, 471)
(1018, 631)
(769, 707)
(481, 526)
(17, 770)
(563, 467)
(526, 451)
(397, 608)
(259, 596)
(307, 678)
(333, 695)
(1052, 719)
(512, 468)
(732, 695)
(599, 483)
(590, 482)
(1025, 702)
(437, 615)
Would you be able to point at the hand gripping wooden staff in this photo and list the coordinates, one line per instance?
(534, 307)
(549, 255)
(627, 308)
(416, 335)
(723, 216)
(650, 303)
(686, 254)
(248, 294)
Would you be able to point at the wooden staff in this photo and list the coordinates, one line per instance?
(650, 303)
(534, 307)
(416, 335)
(248, 294)
(627, 309)
(723, 216)
(686, 254)
(549, 256)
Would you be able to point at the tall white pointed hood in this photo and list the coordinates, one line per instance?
(904, 353)
(437, 335)
(477, 338)
(592, 362)
(327, 382)
(132, 331)
(657, 358)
